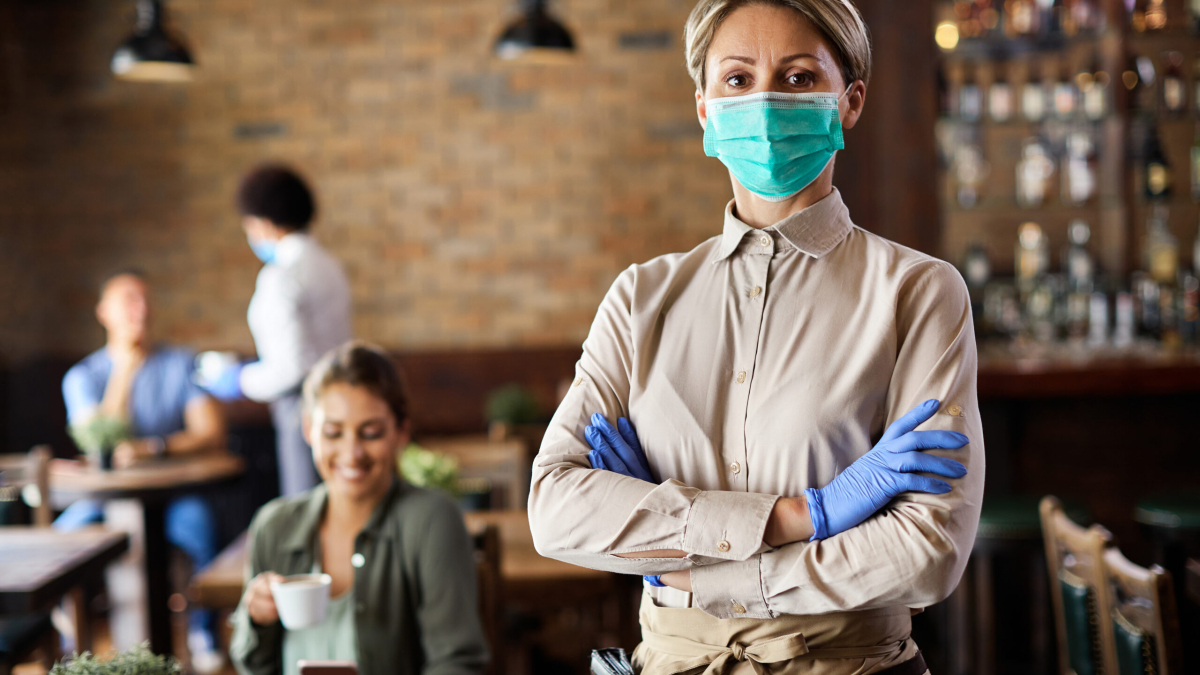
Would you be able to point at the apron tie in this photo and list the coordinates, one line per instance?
(720, 659)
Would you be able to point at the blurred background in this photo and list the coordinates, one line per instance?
(481, 206)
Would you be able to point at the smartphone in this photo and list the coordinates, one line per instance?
(328, 667)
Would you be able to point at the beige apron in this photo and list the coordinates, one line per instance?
(686, 640)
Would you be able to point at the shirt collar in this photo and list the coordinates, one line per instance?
(815, 230)
(302, 535)
(287, 251)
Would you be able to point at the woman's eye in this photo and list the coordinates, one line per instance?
(800, 79)
(371, 433)
(331, 433)
(736, 80)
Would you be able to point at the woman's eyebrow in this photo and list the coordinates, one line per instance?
(743, 59)
(787, 59)
(793, 57)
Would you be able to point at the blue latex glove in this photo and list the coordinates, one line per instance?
(874, 479)
(227, 387)
(618, 450)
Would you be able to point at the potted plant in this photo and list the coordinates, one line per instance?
(137, 661)
(98, 437)
(426, 468)
(508, 408)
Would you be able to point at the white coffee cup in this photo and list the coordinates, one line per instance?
(302, 599)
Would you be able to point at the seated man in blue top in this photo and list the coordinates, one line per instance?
(149, 387)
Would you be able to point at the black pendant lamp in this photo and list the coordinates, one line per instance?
(151, 54)
(535, 35)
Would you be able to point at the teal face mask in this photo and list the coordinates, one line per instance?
(774, 143)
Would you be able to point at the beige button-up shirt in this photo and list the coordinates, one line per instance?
(756, 365)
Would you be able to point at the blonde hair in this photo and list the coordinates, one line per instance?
(838, 20)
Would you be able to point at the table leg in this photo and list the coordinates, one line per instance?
(124, 577)
(158, 588)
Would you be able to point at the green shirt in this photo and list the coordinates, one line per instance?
(415, 610)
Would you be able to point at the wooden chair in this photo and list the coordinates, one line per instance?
(1144, 621)
(21, 636)
(1075, 560)
(31, 473)
(489, 583)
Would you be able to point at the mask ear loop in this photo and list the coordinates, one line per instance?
(848, 88)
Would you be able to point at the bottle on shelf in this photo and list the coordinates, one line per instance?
(970, 169)
(1034, 171)
(1196, 84)
(1021, 19)
(1125, 319)
(1097, 319)
(1064, 93)
(977, 271)
(1156, 15)
(1033, 96)
(1196, 254)
(1077, 263)
(1137, 14)
(1162, 250)
(1000, 97)
(1054, 17)
(970, 105)
(1078, 167)
(1139, 78)
(1032, 255)
(1093, 86)
(1194, 15)
(1085, 16)
(1189, 309)
(1156, 170)
(1174, 98)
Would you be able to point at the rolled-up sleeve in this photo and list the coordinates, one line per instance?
(913, 552)
(587, 517)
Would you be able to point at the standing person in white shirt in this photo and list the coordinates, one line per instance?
(300, 310)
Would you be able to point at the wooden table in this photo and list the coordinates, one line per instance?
(136, 500)
(39, 565)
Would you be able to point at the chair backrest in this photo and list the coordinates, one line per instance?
(1074, 558)
(1144, 621)
(31, 473)
(487, 571)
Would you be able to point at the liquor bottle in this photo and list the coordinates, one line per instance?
(1162, 250)
(1087, 16)
(1125, 319)
(1156, 15)
(970, 169)
(1076, 260)
(1093, 84)
(1055, 18)
(1156, 170)
(1078, 167)
(1098, 319)
(1033, 96)
(970, 105)
(1000, 97)
(1137, 14)
(1034, 171)
(947, 99)
(977, 271)
(1195, 157)
(1196, 254)
(1032, 255)
(1194, 15)
(1174, 98)
(1064, 94)
(1196, 84)
(1189, 310)
(1022, 18)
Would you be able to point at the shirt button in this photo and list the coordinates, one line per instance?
(358, 560)
(723, 546)
(765, 241)
(578, 381)
(755, 291)
(738, 608)
(741, 377)
(735, 467)
(954, 411)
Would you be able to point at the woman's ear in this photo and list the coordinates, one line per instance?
(855, 99)
(305, 427)
(404, 434)
(701, 110)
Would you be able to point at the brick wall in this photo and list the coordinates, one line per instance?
(473, 202)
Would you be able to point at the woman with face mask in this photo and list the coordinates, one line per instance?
(300, 310)
(779, 427)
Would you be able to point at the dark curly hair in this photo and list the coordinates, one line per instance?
(278, 194)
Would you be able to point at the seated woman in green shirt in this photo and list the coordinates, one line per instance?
(403, 595)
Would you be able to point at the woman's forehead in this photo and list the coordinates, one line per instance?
(765, 31)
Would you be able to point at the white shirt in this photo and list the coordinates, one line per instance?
(300, 310)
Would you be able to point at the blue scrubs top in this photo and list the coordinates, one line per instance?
(162, 389)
